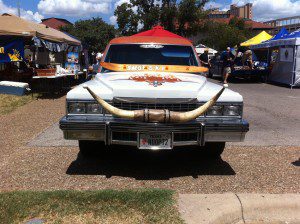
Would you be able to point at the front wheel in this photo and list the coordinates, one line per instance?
(214, 149)
(88, 148)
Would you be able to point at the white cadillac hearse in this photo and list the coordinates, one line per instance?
(150, 94)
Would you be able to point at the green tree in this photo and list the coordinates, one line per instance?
(94, 33)
(168, 15)
(221, 35)
(179, 17)
(190, 12)
(127, 20)
(238, 22)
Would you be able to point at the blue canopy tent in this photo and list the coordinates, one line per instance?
(286, 64)
(283, 33)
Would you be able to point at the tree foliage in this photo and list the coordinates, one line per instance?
(179, 17)
(94, 33)
(127, 20)
(220, 35)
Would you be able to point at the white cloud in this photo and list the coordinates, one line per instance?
(267, 10)
(74, 7)
(212, 5)
(25, 14)
(113, 20)
(120, 2)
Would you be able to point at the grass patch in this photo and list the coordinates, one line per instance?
(9, 103)
(107, 206)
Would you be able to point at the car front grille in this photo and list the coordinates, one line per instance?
(172, 107)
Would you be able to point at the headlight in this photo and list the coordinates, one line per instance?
(232, 111)
(76, 108)
(215, 111)
(84, 108)
(94, 108)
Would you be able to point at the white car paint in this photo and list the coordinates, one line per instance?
(118, 84)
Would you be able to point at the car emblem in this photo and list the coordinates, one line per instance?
(155, 83)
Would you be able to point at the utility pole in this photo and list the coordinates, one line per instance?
(18, 5)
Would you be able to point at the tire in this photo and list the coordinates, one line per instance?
(88, 148)
(214, 150)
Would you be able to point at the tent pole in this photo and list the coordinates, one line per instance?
(294, 65)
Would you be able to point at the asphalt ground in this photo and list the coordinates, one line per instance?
(34, 159)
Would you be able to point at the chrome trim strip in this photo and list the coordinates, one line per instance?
(154, 100)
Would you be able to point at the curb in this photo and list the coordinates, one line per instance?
(232, 208)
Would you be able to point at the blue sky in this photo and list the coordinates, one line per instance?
(73, 10)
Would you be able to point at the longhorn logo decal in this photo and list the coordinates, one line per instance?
(155, 80)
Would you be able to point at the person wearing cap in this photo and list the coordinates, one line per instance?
(96, 66)
(204, 59)
(228, 59)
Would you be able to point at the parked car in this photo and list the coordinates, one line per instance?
(259, 72)
(151, 94)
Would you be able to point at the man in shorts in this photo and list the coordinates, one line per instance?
(228, 59)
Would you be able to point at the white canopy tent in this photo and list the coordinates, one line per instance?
(201, 48)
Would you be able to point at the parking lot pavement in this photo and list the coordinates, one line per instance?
(241, 170)
(273, 113)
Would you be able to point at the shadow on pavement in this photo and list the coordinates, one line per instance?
(52, 95)
(144, 165)
(296, 163)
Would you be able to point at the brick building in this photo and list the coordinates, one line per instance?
(244, 12)
(55, 23)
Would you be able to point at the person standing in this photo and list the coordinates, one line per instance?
(247, 57)
(204, 59)
(228, 59)
(96, 66)
(244, 54)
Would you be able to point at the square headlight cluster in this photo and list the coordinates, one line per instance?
(225, 110)
(84, 108)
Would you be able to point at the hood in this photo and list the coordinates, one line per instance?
(152, 86)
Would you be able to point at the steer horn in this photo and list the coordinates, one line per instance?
(157, 116)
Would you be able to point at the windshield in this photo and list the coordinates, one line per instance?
(151, 54)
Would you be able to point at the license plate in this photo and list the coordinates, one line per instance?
(155, 141)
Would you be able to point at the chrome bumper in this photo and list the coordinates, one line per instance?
(121, 132)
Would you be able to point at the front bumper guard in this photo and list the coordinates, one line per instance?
(120, 132)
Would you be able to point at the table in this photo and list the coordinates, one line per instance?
(57, 83)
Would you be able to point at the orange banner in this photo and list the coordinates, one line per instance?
(155, 68)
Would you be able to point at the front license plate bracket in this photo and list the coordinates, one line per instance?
(155, 141)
